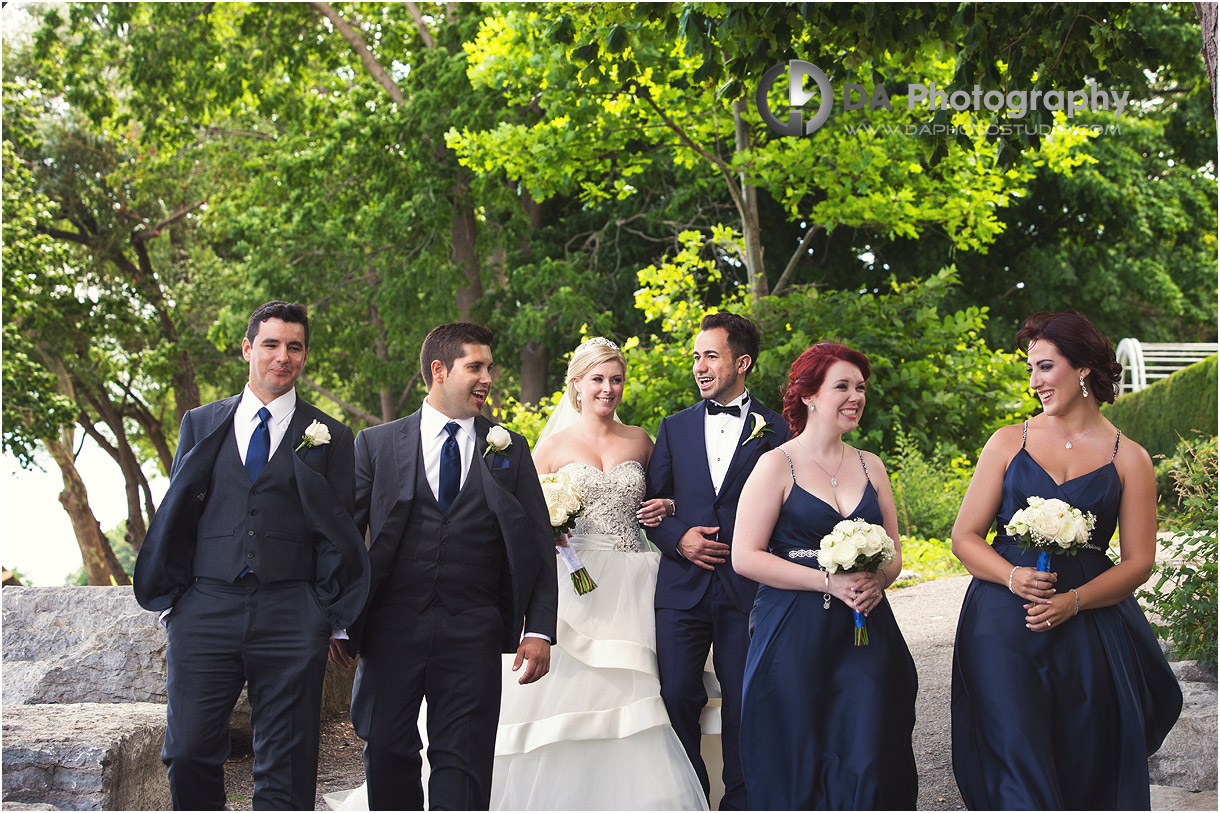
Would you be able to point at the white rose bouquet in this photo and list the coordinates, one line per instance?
(856, 546)
(564, 503)
(1050, 526)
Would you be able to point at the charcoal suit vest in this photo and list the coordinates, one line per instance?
(457, 558)
(257, 525)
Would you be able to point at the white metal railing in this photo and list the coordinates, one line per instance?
(1144, 362)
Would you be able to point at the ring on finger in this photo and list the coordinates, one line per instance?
(1048, 624)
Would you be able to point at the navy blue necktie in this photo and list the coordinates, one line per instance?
(451, 468)
(259, 449)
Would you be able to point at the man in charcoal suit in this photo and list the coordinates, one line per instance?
(252, 559)
(702, 458)
(463, 560)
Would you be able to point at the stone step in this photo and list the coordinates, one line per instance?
(85, 756)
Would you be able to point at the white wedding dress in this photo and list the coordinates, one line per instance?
(593, 734)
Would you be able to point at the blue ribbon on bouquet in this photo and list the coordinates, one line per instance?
(1044, 562)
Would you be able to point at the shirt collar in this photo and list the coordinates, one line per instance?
(740, 400)
(432, 422)
(281, 408)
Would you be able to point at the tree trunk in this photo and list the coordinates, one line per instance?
(101, 566)
(382, 352)
(535, 358)
(756, 272)
(125, 456)
(1207, 13)
(465, 252)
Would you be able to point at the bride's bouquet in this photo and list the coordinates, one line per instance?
(1050, 526)
(855, 546)
(564, 503)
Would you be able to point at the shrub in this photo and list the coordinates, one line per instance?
(930, 558)
(1184, 599)
(1168, 409)
(928, 490)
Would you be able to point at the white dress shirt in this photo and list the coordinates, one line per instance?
(720, 435)
(246, 419)
(432, 433)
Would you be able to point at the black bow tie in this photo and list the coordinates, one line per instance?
(714, 408)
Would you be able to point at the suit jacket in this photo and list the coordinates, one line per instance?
(387, 459)
(324, 484)
(678, 469)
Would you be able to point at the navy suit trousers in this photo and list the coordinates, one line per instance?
(683, 639)
(272, 638)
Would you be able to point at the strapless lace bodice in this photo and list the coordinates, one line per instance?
(611, 500)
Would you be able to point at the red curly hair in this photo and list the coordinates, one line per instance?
(806, 374)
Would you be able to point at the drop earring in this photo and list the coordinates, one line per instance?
(1084, 392)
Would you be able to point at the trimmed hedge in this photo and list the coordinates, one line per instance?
(1156, 416)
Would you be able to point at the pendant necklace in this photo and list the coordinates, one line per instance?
(834, 483)
(1069, 443)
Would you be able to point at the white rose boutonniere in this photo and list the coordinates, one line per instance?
(760, 428)
(316, 434)
(498, 440)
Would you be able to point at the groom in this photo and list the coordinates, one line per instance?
(251, 559)
(462, 559)
(702, 458)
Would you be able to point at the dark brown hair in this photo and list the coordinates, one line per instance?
(807, 373)
(744, 336)
(1081, 344)
(448, 344)
(275, 309)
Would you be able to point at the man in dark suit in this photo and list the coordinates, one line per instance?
(702, 458)
(252, 559)
(463, 559)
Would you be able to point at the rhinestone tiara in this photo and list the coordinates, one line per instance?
(600, 341)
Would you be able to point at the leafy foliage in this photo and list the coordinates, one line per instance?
(1185, 595)
(1158, 416)
(929, 558)
(928, 490)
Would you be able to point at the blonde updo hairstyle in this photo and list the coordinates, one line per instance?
(589, 354)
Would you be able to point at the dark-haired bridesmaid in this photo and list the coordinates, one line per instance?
(1060, 690)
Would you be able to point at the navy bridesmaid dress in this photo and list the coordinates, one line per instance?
(1064, 719)
(825, 725)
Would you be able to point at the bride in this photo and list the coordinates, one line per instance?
(594, 733)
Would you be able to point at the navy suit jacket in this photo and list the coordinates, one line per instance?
(387, 458)
(678, 470)
(324, 481)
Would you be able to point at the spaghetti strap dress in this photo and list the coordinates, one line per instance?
(1064, 719)
(825, 725)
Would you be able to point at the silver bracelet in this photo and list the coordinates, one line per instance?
(673, 506)
(1077, 595)
(1010, 574)
(881, 570)
(826, 595)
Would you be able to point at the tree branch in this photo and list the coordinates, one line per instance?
(795, 259)
(355, 410)
(362, 50)
(424, 33)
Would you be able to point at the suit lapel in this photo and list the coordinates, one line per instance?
(407, 448)
(699, 444)
(745, 450)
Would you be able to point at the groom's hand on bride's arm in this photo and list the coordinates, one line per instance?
(696, 547)
(535, 653)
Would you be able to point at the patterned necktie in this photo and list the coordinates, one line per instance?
(451, 468)
(260, 446)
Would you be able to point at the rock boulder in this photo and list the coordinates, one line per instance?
(85, 756)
